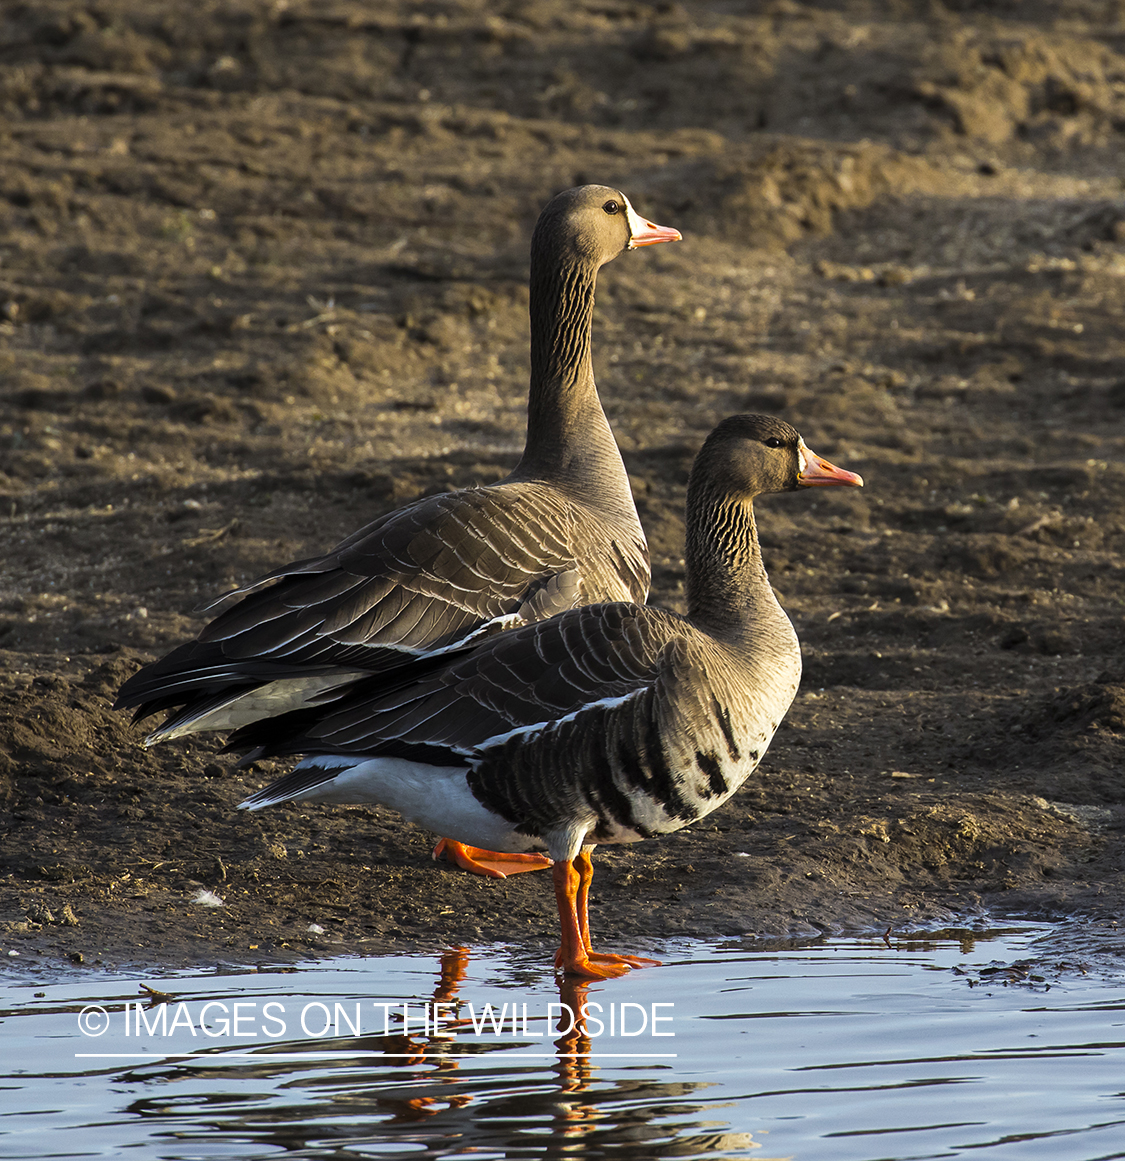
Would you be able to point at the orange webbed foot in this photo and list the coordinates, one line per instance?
(602, 965)
(634, 961)
(575, 956)
(584, 965)
(491, 864)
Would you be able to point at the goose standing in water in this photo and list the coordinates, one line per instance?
(559, 532)
(608, 723)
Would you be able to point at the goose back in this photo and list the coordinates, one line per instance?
(560, 531)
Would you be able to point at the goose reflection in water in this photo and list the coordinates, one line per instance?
(572, 1048)
(446, 1093)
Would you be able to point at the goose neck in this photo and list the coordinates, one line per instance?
(728, 591)
(569, 440)
(562, 312)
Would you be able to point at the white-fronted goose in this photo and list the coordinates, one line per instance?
(606, 724)
(560, 531)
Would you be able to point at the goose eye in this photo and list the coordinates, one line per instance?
(612, 207)
(773, 441)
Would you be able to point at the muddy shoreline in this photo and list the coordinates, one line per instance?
(263, 277)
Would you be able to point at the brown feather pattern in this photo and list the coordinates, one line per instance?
(612, 722)
(561, 531)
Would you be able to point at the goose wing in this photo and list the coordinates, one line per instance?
(517, 682)
(446, 568)
(608, 723)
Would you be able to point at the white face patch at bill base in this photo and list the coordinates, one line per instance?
(808, 460)
(637, 224)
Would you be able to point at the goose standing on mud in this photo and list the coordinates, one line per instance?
(560, 531)
(609, 723)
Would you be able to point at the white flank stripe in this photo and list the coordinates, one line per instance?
(507, 621)
(500, 739)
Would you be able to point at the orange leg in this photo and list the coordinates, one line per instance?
(482, 862)
(572, 890)
(584, 865)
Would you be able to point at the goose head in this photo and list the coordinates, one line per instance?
(590, 225)
(750, 455)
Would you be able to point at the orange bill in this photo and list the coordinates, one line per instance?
(817, 472)
(642, 232)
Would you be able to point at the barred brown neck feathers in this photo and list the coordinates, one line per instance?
(565, 419)
(726, 580)
(569, 440)
(561, 308)
(728, 591)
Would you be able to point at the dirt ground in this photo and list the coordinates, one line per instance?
(263, 276)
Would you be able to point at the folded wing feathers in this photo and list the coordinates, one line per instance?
(292, 594)
(401, 586)
(291, 785)
(520, 680)
(474, 564)
(314, 564)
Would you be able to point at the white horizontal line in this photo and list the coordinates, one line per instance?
(603, 1055)
(219, 1054)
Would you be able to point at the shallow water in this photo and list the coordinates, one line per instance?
(941, 1045)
